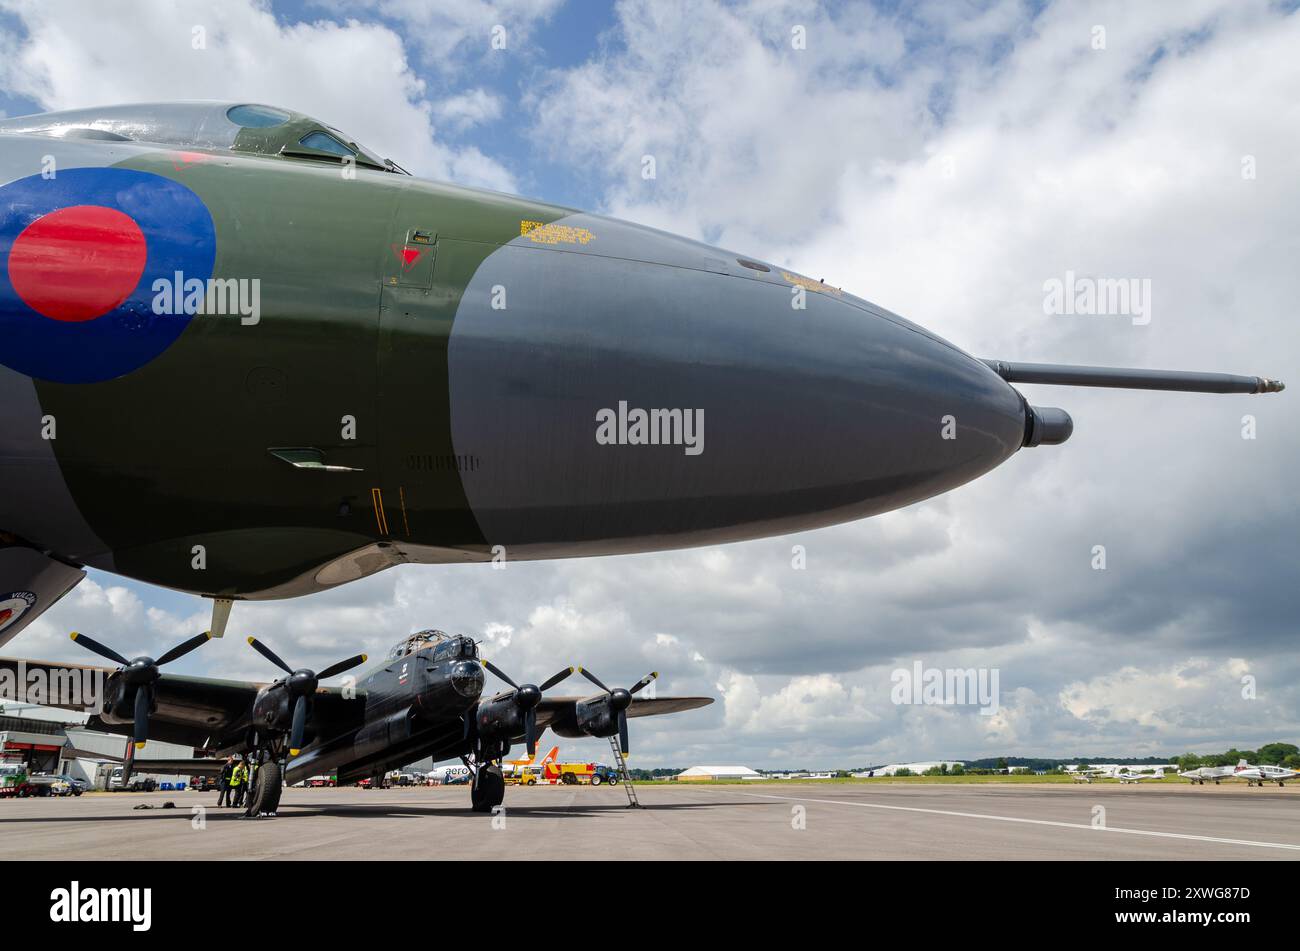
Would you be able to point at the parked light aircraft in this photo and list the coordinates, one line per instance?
(1133, 776)
(1259, 775)
(1214, 774)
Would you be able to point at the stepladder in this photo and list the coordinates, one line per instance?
(624, 776)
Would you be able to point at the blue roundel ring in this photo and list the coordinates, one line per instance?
(179, 238)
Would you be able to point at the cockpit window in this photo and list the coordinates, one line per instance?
(445, 646)
(256, 117)
(324, 142)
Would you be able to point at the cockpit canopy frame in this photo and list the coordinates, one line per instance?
(443, 646)
(249, 128)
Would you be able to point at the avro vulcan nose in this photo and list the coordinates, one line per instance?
(617, 384)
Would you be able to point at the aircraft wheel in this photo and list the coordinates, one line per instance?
(267, 790)
(488, 790)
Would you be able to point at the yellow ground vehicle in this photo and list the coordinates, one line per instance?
(525, 772)
(522, 776)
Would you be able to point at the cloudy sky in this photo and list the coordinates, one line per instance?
(942, 159)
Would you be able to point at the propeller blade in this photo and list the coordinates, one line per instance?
(90, 644)
(269, 655)
(645, 681)
(299, 725)
(556, 679)
(530, 731)
(140, 733)
(497, 670)
(335, 669)
(180, 650)
(594, 679)
(622, 731)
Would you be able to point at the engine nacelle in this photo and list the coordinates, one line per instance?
(273, 709)
(596, 717)
(499, 719)
(118, 702)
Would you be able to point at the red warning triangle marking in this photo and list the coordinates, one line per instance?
(182, 160)
(407, 255)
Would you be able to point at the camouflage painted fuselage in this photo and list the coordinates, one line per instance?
(446, 355)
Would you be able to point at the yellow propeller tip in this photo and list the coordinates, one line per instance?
(294, 752)
(139, 746)
(74, 635)
(364, 658)
(251, 639)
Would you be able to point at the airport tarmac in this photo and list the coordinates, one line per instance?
(765, 821)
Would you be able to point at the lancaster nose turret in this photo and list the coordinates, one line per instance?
(640, 386)
(467, 679)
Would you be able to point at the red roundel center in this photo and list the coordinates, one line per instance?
(78, 263)
(6, 614)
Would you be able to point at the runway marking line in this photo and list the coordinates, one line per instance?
(1037, 822)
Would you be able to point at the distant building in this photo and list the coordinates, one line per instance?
(45, 742)
(916, 768)
(704, 773)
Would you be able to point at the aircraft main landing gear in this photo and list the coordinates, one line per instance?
(266, 790)
(268, 754)
(487, 788)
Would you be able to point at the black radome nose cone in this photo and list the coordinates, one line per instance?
(771, 418)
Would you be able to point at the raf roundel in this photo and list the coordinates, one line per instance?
(14, 605)
(79, 255)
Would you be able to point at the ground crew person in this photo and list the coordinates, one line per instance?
(238, 781)
(223, 782)
(253, 767)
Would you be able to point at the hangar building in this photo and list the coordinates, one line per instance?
(705, 773)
